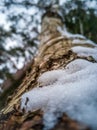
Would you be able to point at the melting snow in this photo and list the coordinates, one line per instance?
(72, 90)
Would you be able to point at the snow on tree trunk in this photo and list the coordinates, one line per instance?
(59, 84)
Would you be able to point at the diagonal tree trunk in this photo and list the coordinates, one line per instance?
(55, 52)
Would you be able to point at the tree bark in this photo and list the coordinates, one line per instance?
(54, 53)
(12, 83)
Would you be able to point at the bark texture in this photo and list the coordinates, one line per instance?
(12, 83)
(54, 53)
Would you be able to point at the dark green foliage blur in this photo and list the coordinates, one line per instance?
(82, 19)
(24, 21)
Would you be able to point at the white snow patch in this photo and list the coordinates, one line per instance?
(78, 41)
(72, 90)
(85, 51)
(48, 78)
(65, 33)
(77, 65)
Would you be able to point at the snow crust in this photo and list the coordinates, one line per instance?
(85, 51)
(72, 90)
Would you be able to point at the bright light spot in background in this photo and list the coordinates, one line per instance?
(20, 62)
(13, 43)
(62, 1)
(92, 4)
(3, 21)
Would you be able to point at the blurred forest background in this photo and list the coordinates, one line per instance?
(20, 24)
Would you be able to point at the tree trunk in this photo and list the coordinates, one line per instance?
(54, 53)
(12, 83)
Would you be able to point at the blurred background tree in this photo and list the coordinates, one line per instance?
(20, 22)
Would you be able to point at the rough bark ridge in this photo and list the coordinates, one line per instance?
(54, 53)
